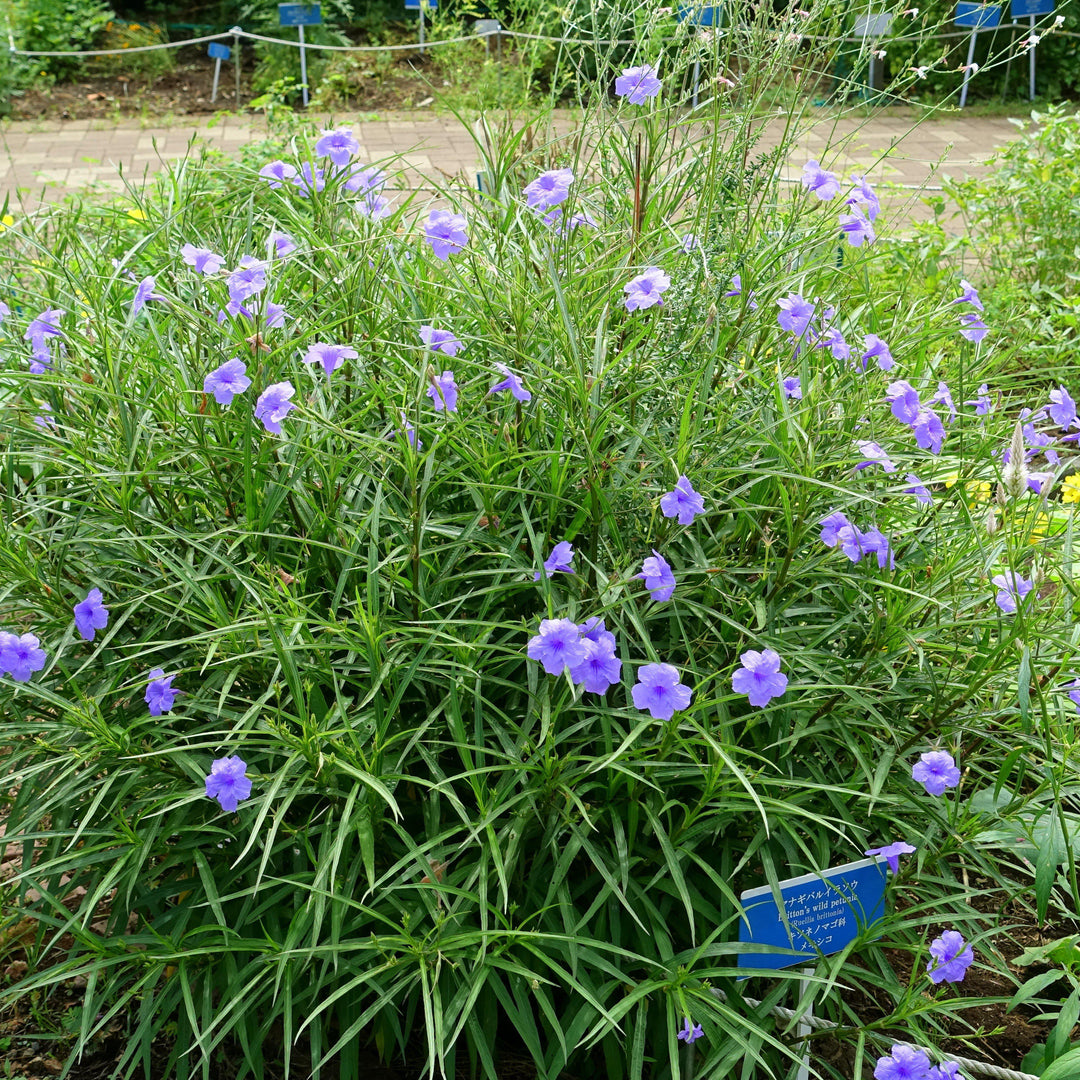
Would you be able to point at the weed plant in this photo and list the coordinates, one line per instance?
(341, 598)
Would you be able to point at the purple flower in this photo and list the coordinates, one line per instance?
(689, 243)
(875, 542)
(46, 325)
(858, 228)
(644, 290)
(974, 329)
(903, 400)
(440, 340)
(891, 853)
(227, 782)
(1074, 693)
(659, 691)
(562, 555)
(638, 84)
(160, 693)
(310, 180)
(690, 1032)
(1062, 409)
(247, 280)
(338, 145)
(1036, 481)
(330, 356)
(944, 397)
(20, 656)
(759, 677)
(904, 1063)
(601, 668)
(792, 387)
(982, 403)
(594, 630)
(736, 290)
(951, 957)
(91, 615)
(373, 205)
(202, 259)
(549, 189)
(936, 771)
(830, 338)
(277, 172)
(683, 502)
(558, 646)
(47, 419)
(968, 295)
(443, 392)
(873, 454)
(446, 234)
(274, 405)
(919, 490)
(929, 431)
(876, 349)
(410, 433)
(1012, 588)
(280, 244)
(658, 578)
(275, 316)
(825, 185)
(863, 195)
(831, 526)
(5, 311)
(511, 383)
(947, 1070)
(849, 539)
(366, 179)
(227, 381)
(795, 314)
(144, 292)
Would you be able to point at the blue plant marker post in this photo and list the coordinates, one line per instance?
(1031, 8)
(300, 15)
(700, 15)
(978, 17)
(421, 6)
(217, 52)
(823, 913)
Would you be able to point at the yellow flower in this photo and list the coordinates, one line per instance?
(1039, 527)
(951, 478)
(977, 491)
(1070, 489)
(136, 214)
(6, 222)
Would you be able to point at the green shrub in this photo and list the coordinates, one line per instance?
(60, 25)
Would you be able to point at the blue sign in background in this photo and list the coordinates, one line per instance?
(977, 15)
(414, 5)
(1022, 8)
(299, 14)
(701, 14)
(217, 51)
(825, 912)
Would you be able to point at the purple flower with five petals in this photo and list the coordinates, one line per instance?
(446, 233)
(91, 615)
(659, 691)
(891, 853)
(683, 502)
(558, 646)
(936, 771)
(951, 956)
(638, 84)
(562, 555)
(227, 782)
(442, 341)
(760, 677)
(658, 577)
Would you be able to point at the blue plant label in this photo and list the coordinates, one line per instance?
(1023, 8)
(825, 913)
(977, 15)
(299, 14)
(701, 14)
(414, 5)
(218, 51)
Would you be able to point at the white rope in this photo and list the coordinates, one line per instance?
(363, 48)
(122, 52)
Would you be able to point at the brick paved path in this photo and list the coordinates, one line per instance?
(40, 161)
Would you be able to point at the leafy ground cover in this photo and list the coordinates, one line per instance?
(422, 620)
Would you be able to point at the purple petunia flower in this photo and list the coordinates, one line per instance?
(274, 405)
(659, 691)
(310, 180)
(658, 577)
(330, 356)
(365, 179)
(876, 349)
(830, 338)
(247, 280)
(446, 233)
(1062, 408)
(227, 782)
(160, 693)
(891, 853)
(849, 539)
(91, 615)
(46, 325)
(929, 431)
(874, 542)
(864, 195)
(410, 433)
(736, 290)
(690, 1032)
(549, 189)
(873, 454)
(944, 397)
(858, 228)
(904, 1063)
(202, 259)
(644, 290)
(795, 314)
(338, 145)
(562, 555)
(689, 243)
(974, 329)
(638, 84)
(951, 957)
(947, 1070)
(373, 205)
(227, 381)
(558, 646)
(20, 656)
(443, 391)
(760, 677)
(903, 400)
(277, 172)
(440, 340)
(683, 502)
(594, 629)
(280, 244)
(1012, 588)
(1074, 693)
(511, 383)
(831, 526)
(792, 387)
(982, 403)
(919, 490)
(144, 293)
(825, 185)
(275, 316)
(968, 295)
(936, 771)
(601, 668)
